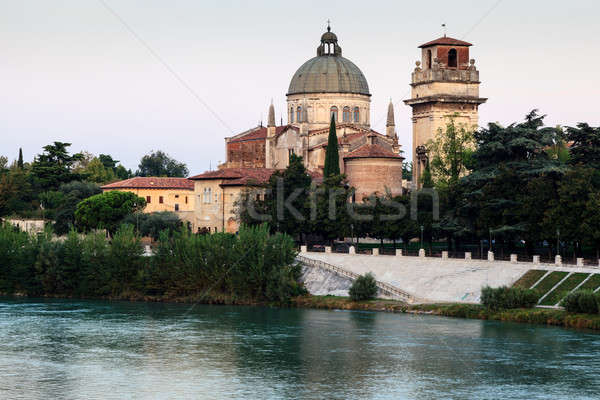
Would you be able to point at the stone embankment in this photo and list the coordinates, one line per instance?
(430, 279)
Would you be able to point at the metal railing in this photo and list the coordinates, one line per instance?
(383, 287)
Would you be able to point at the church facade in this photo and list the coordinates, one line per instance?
(330, 85)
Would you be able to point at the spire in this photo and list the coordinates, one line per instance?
(390, 115)
(271, 120)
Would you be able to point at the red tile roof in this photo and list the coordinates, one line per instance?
(372, 151)
(258, 133)
(237, 176)
(152, 182)
(448, 41)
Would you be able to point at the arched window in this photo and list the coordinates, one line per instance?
(292, 115)
(334, 112)
(346, 114)
(356, 115)
(299, 114)
(428, 59)
(452, 61)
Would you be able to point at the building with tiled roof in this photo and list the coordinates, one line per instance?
(161, 194)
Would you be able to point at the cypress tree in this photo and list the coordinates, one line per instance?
(20, 160)
(427, 179)
(332, 157)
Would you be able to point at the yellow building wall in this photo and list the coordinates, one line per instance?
(171, 198)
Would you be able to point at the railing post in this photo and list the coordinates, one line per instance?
(375, 251)
(398, 252)
(490, 256)
(467, 255)
(558, 260)
(303, 248)
(422, 253)
(536, 260)
(327, 249)
(580, 262)
(513, 258)
(352, 250)
(444, 255)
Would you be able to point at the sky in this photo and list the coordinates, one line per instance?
(124, 77)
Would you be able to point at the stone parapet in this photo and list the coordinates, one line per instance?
(444, 75)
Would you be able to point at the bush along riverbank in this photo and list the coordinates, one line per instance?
(252, 267)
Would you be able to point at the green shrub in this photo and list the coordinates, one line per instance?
(581, 301)
(508, 297)
(363, 288)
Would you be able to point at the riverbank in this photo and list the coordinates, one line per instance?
(543, 316)
(539, 316)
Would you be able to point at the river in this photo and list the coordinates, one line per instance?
(65, 349)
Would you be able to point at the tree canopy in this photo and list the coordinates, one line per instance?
(158, 163)
(107, 210)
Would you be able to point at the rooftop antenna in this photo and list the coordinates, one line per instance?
(444, 26)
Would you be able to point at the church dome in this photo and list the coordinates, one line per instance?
(329, 72)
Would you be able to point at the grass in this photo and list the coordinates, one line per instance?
(564, 288)
(548, 282)
(541, 316)
(593, 283)
(529, 278)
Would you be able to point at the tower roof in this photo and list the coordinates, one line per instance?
(390, 115)
(271, 120)
(446, 41)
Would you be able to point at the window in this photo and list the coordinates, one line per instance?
(290, 153)
(216, 197)
(186, 200)
(160, 199)
(176, 196)
(346, 114)
(452, 59)
(148, 199)
(334, 113)
(428, 59)
(299, 114)
(176, 207)
(356, 115)
(207, 195)
(292, 115)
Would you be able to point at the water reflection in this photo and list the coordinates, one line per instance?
(70, 349)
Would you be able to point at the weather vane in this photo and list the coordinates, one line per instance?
(328, 26)
(444, 26)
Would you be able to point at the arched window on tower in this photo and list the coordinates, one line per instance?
(334, 113)
(299, 114)
(292, 115)
(452, 59)
(428, 59)
(346, 114)
(356, 114)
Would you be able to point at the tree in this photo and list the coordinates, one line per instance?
(16, 194)
(407, 167)
(329, 209)
(332, 157)
(152, 224)
(107, 210)
(585, 145)
(72, 193)
(158, 163)
(20, 160)
(54, 166)
(450, 153)
(363, 288)
(97, 172)
(505, 161)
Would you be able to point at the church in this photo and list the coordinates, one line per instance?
(328, 85)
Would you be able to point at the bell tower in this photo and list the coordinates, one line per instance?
(444, 82)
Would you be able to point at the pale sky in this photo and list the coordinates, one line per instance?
(73, 71)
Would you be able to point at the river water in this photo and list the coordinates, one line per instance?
(65, 349)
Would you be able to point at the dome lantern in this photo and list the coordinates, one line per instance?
(329, 44)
